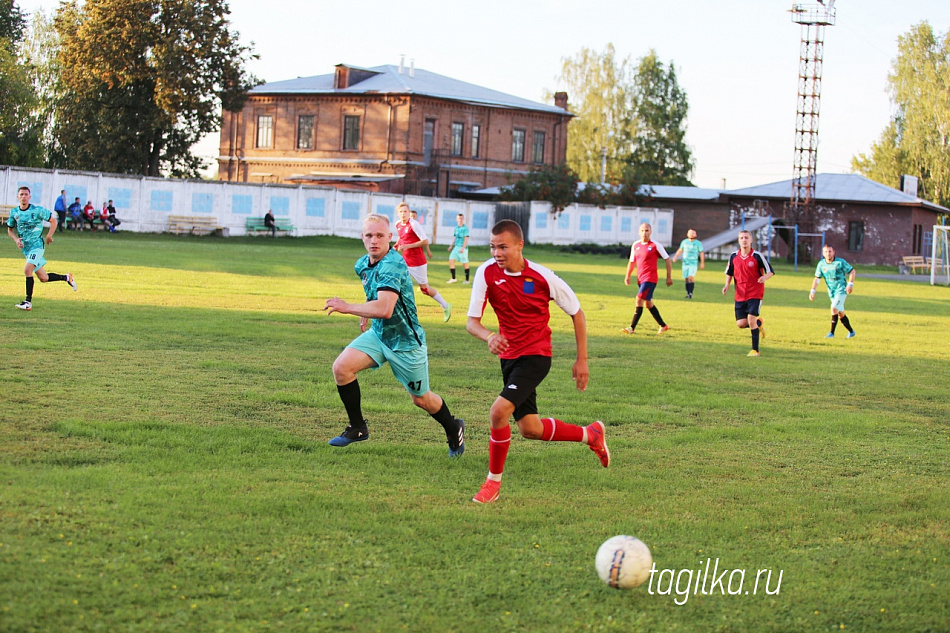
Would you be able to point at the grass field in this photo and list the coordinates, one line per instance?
(164, 462)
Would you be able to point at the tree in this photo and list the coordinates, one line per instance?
(141, 81)
(639, 116)
(916, 141)
(598, 86)
(660, 155)
(19, 128)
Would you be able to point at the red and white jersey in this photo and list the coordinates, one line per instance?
(646, 257)
(746, 270)
(410, 233)
(520, 301)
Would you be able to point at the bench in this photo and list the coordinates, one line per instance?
(934, 263)
(5, 212)
(256, 225)
(914, 262)
(194, 225)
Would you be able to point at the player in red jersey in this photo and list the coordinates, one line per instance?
(412, 239)
(750, 270)
(519, 292)
(643, 257)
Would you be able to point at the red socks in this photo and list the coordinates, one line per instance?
(498, 449)
(557, 431)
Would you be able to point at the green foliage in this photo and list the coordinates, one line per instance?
(916, 142)
(164, 463)
(20, 131)
(559, 185)
(637, 115)
(142, 80)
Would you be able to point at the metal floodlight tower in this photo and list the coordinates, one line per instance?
(814, 19)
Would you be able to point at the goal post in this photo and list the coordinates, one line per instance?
(940, 256)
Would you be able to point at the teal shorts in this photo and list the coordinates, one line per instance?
(689, 270)
(34, 254)
(458, 255)
(411, 368)
(837, 301)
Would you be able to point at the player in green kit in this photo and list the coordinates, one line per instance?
(694, 259)
(395, 337)
(839, 278)
(25, 228)
(459, 249)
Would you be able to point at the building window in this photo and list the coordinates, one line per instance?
(428, 140)
(265, 131)
(517, 146)
(457, 130)
(351, 132)
(476, 134)
(537, 151)
(856, 236)
(305, 131)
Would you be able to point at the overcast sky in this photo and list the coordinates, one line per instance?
(737, 60)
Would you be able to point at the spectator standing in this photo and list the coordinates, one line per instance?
(60, 208)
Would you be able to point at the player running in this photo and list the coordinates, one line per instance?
(519, 292)
(839, 278)
(693, 259)
(25, 228)
(459, 248)
(750, 270)
(412, 239)
(395, 337)
(643, 257)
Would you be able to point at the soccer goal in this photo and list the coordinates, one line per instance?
(940, 257)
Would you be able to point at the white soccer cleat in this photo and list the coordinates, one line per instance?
(71, 281)
(25, 305)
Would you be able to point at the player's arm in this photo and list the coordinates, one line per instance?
(380, 308)
(814, 286)
(678, 252)
(14, 236)
(497, 343)
(850, 287)
(53, 223)
(631, 266)
(702, 260)
(725, 288)
(465, 244)
(765, 269)
(669, 272)
(580, 371)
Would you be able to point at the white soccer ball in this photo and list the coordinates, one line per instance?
(624, 562)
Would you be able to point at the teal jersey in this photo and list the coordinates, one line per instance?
(835, 274)
(461, 232)
(691, 250)
(401, 331)
(29, 224)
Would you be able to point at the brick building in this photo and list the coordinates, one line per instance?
(390, 129)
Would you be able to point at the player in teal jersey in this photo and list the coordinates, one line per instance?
(394, 337)
(839, 278)
(694, 259)
(459, 249)
(25, 228)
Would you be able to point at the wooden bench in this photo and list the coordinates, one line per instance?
(256, 225)
(934, 263)
(914, 262)
(194, 225)
(5, 212)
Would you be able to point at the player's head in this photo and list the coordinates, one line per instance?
(376, 236)
(460, 218)
(23, 195)
(745, 240)
(403, 211)
(691, 234)
(645, 232)
(828, 252)
(506, 244)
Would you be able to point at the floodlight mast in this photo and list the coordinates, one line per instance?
(814, 19)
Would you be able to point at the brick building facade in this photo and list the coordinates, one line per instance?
(390, 129)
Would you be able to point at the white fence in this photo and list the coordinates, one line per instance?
(144, 204)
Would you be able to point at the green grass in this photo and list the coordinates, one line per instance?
(164, 465)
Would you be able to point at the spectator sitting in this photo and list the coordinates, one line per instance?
(89, 213)
(104, 216)
(75, 215)
(114, 221)
(269, 223)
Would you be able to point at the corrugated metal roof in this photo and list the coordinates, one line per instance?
(841, 188)
(388, 80)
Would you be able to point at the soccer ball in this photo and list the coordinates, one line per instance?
(623, 562)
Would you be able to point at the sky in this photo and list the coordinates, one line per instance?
(737, 60)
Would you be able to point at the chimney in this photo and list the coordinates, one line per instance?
(909, 185)
(341, 79)
(412, 67)
(560, 100)
(402, 63)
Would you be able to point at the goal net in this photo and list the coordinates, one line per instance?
(940, 257)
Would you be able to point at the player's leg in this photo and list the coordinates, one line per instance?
(412, 370)
(647, 295)
(466, 266)
(365, 352)
(754, 329)
(27, 304)
(452, 270)
(420, 275)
